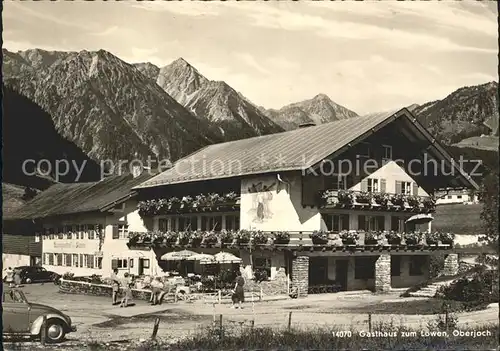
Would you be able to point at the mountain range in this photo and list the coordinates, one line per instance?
(113, 110)
(318, 110)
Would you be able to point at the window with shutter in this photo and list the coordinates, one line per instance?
(399, 189)
(81, 260)
(395, 223)
(116, 233)
(364, 185)
(395, 266)
(381, 223)
(415, 189)
(162, 224)
(361, 222)
(114, 264)
(372, 185)
(382, 186)
(344, 222)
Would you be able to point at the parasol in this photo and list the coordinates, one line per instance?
(203, 258)
(226, 257)
(420, 219)
(177, 255)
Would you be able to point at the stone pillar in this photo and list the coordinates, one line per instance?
(450, 265)
(300, 274)
(383, 273)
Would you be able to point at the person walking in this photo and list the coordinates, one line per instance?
(17, 278)
(9, 276)
(156, 289)
(239, 293)
(115, 284)
(127, 290)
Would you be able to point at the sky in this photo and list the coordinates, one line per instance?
(367, 56)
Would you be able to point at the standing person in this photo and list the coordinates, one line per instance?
(127, 290)
(115, 286)
(156, 288)
(9, 276)
(17, 278)
(239, 293)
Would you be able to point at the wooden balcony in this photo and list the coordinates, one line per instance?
(375, 201)
(295, 241)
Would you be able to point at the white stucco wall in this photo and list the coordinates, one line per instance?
(72, 246)
(279, 208)
(391, 172)
(14, 260)
(116, 248)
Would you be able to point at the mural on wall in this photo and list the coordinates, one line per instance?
(261, 200)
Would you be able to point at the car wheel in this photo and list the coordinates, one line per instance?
(55, 331)
(28, 280)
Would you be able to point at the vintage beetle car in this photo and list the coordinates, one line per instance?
(23, 318)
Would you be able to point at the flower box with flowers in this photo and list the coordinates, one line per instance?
(372, 238)
(209, 239)
(328, 197)
(259, 238)
(226, 237)
(174, 203)
(281, 237)
(429, 203)
(398, 200)
(319, 237)
(169, 238)
(345, 197)
(242, 237)
(394, 238)
(381, 199)
(413, 201)
(446, 238)
(349, 237)
(413, 238)
(186, 201)
(364, 198)
(432, 238)
(183, 238)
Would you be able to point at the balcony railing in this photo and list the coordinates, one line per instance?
(376, 200)
(318, 240)
(189, 204)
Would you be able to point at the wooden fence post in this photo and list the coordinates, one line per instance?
(220, 296)
(370, 322)
(155, 328)
(446, 318)
(221, 335)
(261, 296)
(43, 331)
(213, 312)
(289, 321)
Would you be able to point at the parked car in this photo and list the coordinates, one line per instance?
(23, 318)
(35, 274)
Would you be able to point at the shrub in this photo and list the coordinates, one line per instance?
(260, 275)
(436, 264)
(68, 275)
(480, 289)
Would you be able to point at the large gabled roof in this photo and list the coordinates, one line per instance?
(64, 199)
(294, 150)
